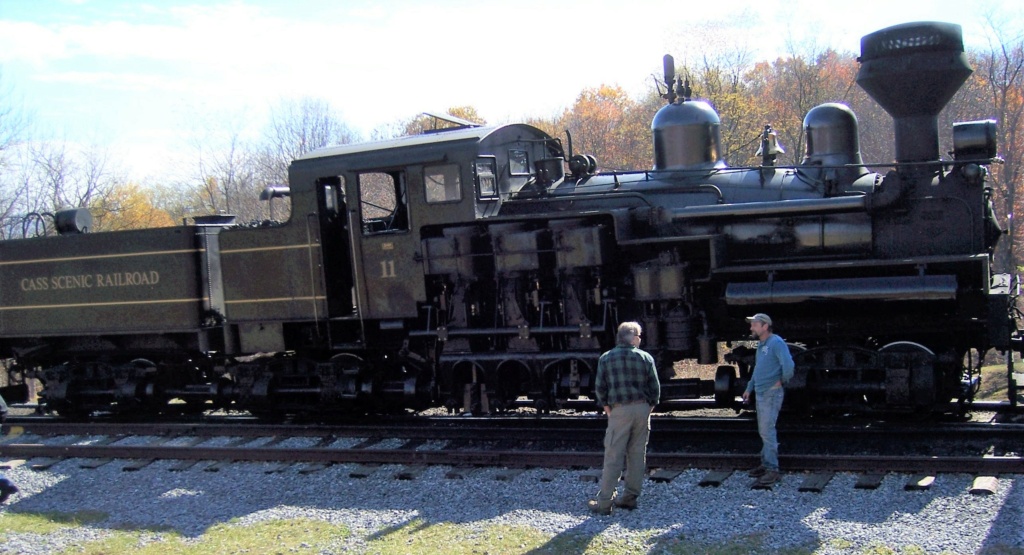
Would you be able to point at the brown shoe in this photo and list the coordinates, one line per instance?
(6, 491)
(757, 472)
(600, 508)
(626, 502)
(768, 478)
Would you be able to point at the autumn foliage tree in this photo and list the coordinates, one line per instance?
(606, 123)
(127, 206)
(998, 92)
(425, 123)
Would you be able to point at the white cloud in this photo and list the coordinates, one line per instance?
(140, 68)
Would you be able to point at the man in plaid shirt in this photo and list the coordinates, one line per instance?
(627, 387)
(7, 487)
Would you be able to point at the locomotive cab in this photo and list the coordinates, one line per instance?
(399, 191)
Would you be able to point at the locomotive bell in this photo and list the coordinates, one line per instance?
(686, 136)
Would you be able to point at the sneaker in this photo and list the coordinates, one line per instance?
(757, 472)
(626, 502)
(768, 478)
(597, 507)
(6, 492)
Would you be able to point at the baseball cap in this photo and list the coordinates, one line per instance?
(760, 317)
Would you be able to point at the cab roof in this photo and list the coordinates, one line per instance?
(475, 134)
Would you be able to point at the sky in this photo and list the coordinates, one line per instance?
(140, 77)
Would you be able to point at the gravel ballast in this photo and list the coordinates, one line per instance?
(842, 519)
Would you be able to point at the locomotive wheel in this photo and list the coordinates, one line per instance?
(920, 410)
(725, 382)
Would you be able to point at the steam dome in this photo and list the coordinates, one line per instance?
(686, 136)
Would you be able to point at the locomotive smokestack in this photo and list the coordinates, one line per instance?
(912, 70)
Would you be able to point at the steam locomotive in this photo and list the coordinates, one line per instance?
(480, 267)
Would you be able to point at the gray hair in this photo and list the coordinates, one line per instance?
(627, 331)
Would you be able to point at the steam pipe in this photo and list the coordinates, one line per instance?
(795, 207)
(886, 194)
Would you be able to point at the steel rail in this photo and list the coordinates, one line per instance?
(985, 464)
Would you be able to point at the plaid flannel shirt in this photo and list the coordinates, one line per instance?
(627, 374)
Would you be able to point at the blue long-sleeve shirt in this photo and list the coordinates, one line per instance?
(773, 364)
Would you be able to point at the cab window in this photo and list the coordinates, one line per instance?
(383, 203)
(485, 171)
(518, 162)
(442, 183)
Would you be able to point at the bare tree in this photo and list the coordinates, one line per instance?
(13, 188)
(222, 179)
(13, 121)
(68, 178)
(16, 185)
(295, 128)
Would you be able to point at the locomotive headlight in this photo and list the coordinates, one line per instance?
(972, 173)
(974, 139)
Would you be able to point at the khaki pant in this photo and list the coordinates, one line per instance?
(625, 444)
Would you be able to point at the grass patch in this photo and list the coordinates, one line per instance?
(301, 536)
(420, 538)
(417, 537)
(46, 523)
(993, 383)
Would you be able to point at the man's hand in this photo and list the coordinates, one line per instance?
(607, 410)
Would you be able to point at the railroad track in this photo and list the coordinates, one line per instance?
(677, 444)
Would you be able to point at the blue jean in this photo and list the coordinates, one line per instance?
(769, 403)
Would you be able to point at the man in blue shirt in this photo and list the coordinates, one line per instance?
(627, 387)
(772, 369)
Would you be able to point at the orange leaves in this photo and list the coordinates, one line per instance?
(127, 206)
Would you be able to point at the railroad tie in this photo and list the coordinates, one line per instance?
(919, 482)
(461, 472)
(869, 480)
(508, 474)
(664, 475)
(11, 464)
(363, 470)
(984, 485)
(714, 478)
(92, 464)
(816, 481)
(139, 464)
(410, 471)
(310, 468)
(218, 465)
(45, 463)
(548, 475)
(278, 467)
